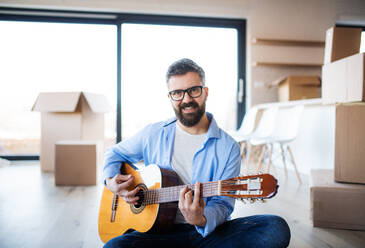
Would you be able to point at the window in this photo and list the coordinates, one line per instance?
(148, 50)
(45, 57)
(50, 50)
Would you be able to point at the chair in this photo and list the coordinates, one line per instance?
(285, 130)
(264, 129)
(245, 131)
(247, 126)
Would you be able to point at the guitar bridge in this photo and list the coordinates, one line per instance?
(114, 207)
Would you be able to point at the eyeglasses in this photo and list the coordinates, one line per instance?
(194, 92)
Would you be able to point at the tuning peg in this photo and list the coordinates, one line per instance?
(242, 200)
(262, 200)
(252, 200)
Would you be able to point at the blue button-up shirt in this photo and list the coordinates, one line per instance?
(217, 159)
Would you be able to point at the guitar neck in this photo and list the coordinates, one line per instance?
(172, 194)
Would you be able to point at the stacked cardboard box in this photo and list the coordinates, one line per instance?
(336, 200)
(336, 205)
(77, 162)
(69, 116)
(343, 76)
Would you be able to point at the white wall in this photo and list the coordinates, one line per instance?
(314, 146)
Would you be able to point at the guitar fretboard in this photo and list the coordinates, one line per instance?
(172, 194)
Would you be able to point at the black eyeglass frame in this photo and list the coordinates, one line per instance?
(188, 90)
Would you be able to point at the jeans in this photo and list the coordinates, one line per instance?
(267, 231)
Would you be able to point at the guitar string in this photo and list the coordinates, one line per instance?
(206, 186)
(171, 193)
(166, 196)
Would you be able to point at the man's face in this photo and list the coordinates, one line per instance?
(189, 110)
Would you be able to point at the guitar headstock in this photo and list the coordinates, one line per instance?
(253, 187)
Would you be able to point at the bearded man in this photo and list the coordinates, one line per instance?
(194, 147)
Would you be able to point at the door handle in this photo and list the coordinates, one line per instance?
(240, 90)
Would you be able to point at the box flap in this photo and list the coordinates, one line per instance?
(298, 80)
(341, 42)
(97, 103)
(56, 102)
(277, 81)
(68, 102)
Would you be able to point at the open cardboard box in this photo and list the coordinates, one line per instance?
(68, 116)
(298, 87)
(341, 42)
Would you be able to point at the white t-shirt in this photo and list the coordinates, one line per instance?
(185, 147)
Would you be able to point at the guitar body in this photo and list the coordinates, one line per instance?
(159, 195)
(141, 218)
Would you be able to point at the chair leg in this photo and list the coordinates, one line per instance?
(284, 160)
(243, 146)
(269, 157)
(247, 160)
(261, 158)
(295, 166)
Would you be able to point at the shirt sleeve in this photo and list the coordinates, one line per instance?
(129, 150)
(219, 208)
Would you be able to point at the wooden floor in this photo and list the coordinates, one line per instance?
(36, 213)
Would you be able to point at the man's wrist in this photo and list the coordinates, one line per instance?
(202, 222)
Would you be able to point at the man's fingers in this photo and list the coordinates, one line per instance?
(188, 198)
(119, 178)
(197, 193)
(182, 193)
(130, 196)
(131, 200)
(132, 193)
(125, 184)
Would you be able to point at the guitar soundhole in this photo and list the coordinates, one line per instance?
(141, 199)
(137, 208)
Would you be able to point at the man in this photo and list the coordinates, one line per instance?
(198, 151)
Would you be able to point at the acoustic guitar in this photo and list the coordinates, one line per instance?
(159, 196)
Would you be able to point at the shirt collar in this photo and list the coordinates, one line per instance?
(213, 130)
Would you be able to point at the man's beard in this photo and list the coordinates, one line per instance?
(190, 119)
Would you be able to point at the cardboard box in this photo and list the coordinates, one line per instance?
(343, 80)
(350, 143)
(341, 42)
(68, 116)
(298, 87)
(336, 205)
(77, 162)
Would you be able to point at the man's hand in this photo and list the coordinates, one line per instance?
(192, 207)
(119, 185)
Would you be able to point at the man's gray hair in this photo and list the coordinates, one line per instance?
(183, 66)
